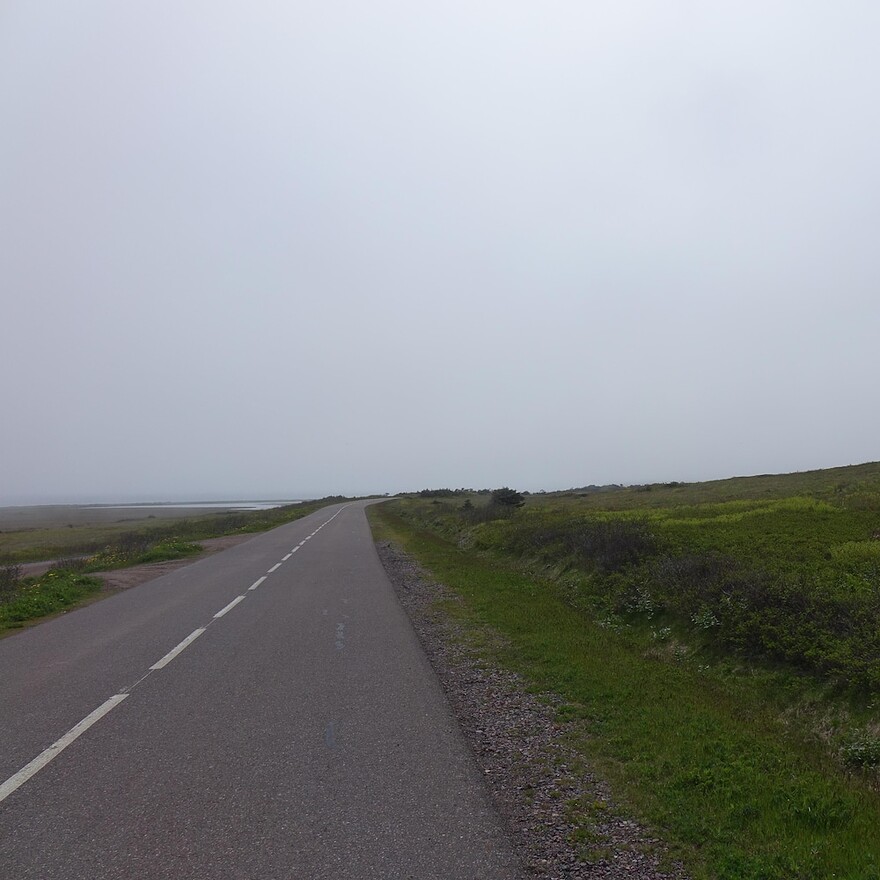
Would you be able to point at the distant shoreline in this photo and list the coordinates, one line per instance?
(42, 516)
(177, 505)
(241, 504)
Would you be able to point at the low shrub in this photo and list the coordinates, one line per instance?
(10, 577)
(862, 749)
(171, 549)
(793, 580)
(37, 597)
(598, 544)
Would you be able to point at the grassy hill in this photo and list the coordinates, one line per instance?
(853, 485)
(721, 641)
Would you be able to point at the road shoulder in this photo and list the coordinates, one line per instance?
(562, 819)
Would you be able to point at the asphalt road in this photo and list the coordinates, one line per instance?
(297, 732)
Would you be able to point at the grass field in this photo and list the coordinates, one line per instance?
(719, 640)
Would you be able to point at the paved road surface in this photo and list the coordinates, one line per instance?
(298, 734)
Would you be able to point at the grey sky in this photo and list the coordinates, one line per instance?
(285, 248)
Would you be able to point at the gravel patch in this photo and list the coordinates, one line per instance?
(537, 782)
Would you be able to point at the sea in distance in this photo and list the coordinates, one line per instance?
(197, 505)
(53, 515)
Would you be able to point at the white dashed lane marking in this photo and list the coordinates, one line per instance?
(31, 769)
(57, 747)
(175, 651)
(229, 607)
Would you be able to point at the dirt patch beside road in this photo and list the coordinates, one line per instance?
(125, 578)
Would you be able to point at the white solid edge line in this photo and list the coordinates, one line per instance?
(34, 767)
(274, 568)
(229, 607)
(257, 583)
(285, 558)
(175, 651)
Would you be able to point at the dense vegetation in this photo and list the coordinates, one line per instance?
(793, 578)
(722, 641)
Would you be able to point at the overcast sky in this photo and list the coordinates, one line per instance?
(289, 249)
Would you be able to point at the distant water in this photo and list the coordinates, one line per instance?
(207, 505)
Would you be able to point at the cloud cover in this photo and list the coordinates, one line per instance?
(293, 249)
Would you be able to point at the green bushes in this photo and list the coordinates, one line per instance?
(140, 550)
(736, 785)
(507, 497)
(170, 549)
(862, 749)
(602, 544)
(793, 580)
(785, 618)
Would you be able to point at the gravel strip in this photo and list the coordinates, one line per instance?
(537, 782)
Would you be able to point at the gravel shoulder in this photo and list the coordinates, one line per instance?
(538, 783)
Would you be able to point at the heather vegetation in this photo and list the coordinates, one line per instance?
(721, 641)
(793, 578)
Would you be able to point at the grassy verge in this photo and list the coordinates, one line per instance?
(737, 788)
(124, 555)
(39, 597)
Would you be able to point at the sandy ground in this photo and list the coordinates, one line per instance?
(124, 578)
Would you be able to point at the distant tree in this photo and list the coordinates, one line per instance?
(507, 497)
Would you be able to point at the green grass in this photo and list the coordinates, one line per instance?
(854, 486)
(167, 550)
(39, 597)
(725, 765)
